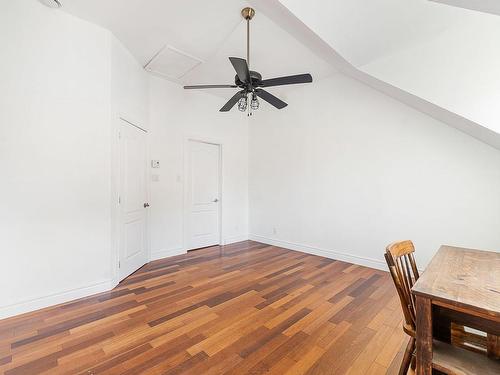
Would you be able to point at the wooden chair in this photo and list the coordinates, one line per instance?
(404, 272)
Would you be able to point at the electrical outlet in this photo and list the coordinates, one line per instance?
(275, 231)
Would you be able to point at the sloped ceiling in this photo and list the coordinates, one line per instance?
(449, 66)
(442, 60)
(363, 31)
(486, 6)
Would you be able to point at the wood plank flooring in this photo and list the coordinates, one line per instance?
(246, 308)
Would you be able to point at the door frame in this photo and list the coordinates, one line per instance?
(185, 208)
(116, 212)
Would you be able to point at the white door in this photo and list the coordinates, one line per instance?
(133, 199)
(202, 195)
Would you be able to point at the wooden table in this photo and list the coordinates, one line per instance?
(459, 285)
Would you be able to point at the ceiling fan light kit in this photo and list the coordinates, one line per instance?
(242, 103)
(250, 82)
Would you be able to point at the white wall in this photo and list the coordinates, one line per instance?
(176, 115)
(345, 170)
(64, 85)
(129, 86)
(54, 157)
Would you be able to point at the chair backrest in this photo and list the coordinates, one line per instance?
(404, 272)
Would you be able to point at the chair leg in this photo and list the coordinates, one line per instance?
(407, 358)
(413, 361)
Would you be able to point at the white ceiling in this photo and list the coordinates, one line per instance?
(383, 43)
(449, 71)
(209, 31)
(486, 6)
(363, 31)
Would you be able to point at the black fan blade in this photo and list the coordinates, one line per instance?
(271, 99)
(209, 87)
(241, 67)
(230, 104)
(288, 80)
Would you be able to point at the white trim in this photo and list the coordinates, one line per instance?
(362, 261)
(160, 254)
(55, 299)
(115, 196)
(234, 239)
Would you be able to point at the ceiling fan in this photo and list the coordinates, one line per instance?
(250, 82)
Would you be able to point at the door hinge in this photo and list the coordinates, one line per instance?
(119, 264)
(119, 200)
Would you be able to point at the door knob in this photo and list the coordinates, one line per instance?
(215, 200)
(146, 205)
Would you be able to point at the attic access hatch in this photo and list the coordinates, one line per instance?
(172, 63)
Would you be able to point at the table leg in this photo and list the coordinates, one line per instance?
(424, 336)
(493, 346)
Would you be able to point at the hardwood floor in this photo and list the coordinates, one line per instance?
(246, 308)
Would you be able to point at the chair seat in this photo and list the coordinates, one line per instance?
(457, 361)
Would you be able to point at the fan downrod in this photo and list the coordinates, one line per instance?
(247, 13)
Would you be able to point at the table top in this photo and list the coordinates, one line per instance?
(464, 278)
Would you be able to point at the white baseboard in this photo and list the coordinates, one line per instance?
(234, 239)
(160, 254)
(362, 261)
(54, 299)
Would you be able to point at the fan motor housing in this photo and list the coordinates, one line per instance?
(255, 76)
